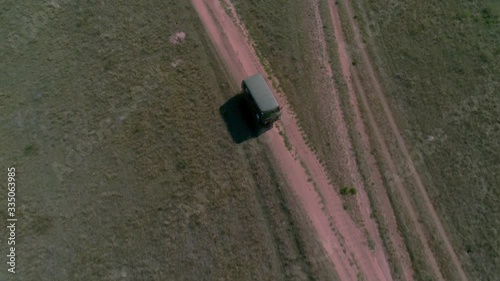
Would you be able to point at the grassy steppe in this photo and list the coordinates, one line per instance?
(125, 169)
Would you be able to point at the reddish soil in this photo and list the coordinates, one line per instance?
(344, 242)
(382, 199)
(390, 163)
(338, 116)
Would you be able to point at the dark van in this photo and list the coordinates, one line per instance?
(261, 99)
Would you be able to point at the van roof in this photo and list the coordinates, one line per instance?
(261, 92)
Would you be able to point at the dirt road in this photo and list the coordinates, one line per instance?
(376, 85)
(353, 82)
(343, 241)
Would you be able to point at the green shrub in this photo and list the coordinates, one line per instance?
(348, 191)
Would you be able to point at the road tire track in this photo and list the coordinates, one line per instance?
(403, 149)
(397, 242)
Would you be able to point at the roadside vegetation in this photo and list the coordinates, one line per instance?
(126, 168)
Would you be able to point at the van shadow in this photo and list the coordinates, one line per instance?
(240, 123)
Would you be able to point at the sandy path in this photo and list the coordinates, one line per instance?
(376, 85)
(343, 241)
